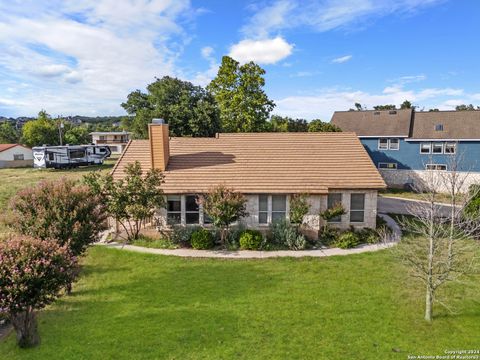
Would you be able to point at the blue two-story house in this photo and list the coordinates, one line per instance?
(403, 144)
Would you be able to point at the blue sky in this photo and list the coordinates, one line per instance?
(84, 57)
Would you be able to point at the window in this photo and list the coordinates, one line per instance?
(450, 148)
(388, 166)
(332, 201)
(18, 157)
(101, 137)
(279, 207)
(51, 156)
(376, 113)
(439, 127)
(425, 148)
(437, 148)
(263, 209)
(394, 144)
(382, 144)
(76, 154)
(436, 167)
(388, 144)
(174, 209)
(393, 112)
(357, 207)
(192, 211)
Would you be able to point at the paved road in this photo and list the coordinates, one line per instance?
(400, 206)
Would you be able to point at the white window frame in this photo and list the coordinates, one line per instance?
(183, 212)
(390, 144)
(453, 145)
(270, 208)
(380, 146)
(18, 157)
(174, 212)
(357, 210)
(429, 147)
(388, 168)
(439, 145)
(434, 167)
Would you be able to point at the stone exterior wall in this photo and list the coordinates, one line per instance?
(419, 178)
(312, 221)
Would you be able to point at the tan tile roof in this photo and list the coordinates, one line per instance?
(262, 163)
(374, 123)
(456, 125)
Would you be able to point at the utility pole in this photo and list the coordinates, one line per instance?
(60, 129)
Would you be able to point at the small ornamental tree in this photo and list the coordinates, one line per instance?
(58, 210)
(298, 208)
(33, 272)
(224, 206)
(131, 200)
(330, 214)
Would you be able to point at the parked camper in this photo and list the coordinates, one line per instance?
(69, 156)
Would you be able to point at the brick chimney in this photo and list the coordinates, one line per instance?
(159, 144)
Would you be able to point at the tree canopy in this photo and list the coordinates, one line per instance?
(468, 107)
(8, 133)
(44, 130)
(189, 110)
(286, 124)
(318, 125)
(238, 90)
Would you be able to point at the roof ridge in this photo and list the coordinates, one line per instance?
(121, 157)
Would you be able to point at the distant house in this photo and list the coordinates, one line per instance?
(15, 155)
(404, 144)
(268, 168)
(116, 140)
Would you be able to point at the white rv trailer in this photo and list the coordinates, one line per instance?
(69, 156)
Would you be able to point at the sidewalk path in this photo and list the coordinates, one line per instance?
(247, 254)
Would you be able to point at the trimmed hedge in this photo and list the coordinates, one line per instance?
(251, 240)
(202, 239)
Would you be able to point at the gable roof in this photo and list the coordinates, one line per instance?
(261, 163)
(374, 123)
(456, 125)
(4, 147)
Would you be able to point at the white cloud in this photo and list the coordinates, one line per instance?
(325, 15)
(85, 57)
(341, 60)
(207, 52)
(266, 51)
(323, 103)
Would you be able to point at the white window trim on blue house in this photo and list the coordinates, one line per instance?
(388, 145)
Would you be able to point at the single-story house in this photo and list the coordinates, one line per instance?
(267, 168)
(15, 155)
(406, 144)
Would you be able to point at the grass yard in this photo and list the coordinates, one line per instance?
(141, 306)
(406, 194)
(12, 180)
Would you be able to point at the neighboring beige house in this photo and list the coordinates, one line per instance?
(268, 168)
(116, 140)
(15, 155)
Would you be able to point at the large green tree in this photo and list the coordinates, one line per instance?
(318, 125)
(238, 90)
(77, 135)
(287, 124)
(44, 130)
(189, 110)
(464, 107)
(8, 133)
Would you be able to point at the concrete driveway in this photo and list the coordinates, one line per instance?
(392, 205)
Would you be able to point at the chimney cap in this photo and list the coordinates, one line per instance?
(158, 121)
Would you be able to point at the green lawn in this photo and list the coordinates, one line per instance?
(12, 180)
(139, 306)
(407, 194)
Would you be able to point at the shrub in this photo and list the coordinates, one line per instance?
(251, 240)
(286, 234)
(368, 236)
(347, 240)
(298, 208)
(233, 236)
(329, 235)
(181, 235)
(32, 274)
(202, 239)
(61, 211)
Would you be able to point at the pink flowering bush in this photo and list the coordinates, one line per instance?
(59, 210)
(33, 273)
